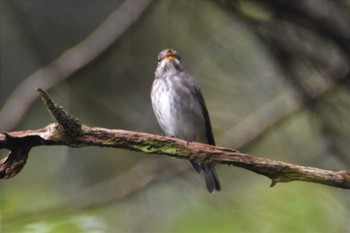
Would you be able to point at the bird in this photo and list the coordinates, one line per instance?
(179, 107)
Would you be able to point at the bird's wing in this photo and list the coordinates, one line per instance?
(197, 92)
(208, 128)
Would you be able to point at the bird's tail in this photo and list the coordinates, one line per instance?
(211, 179)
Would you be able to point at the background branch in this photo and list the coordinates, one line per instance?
(70, 61)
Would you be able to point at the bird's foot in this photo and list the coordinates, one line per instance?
(191, 140)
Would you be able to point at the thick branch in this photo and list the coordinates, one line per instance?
(154, 144)
(20, 142)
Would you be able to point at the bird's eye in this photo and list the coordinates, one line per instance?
(160, 57)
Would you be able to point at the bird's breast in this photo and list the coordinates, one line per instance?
(178, 112)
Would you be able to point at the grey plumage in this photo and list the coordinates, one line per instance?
(180, 108)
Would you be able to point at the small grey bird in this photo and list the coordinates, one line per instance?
(180, 108)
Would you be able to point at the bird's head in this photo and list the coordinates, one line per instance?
(169, 62)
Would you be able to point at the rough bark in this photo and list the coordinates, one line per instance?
(70, 132)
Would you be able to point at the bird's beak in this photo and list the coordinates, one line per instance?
(170, 55)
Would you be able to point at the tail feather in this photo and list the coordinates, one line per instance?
(211, 179)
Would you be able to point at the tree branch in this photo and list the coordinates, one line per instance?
(70, 132)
